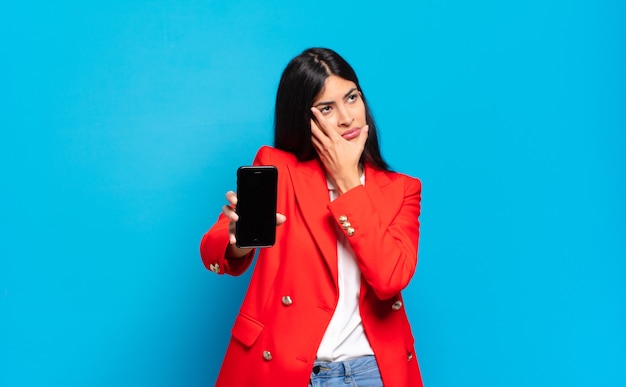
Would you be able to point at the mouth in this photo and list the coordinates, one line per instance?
(351, 133)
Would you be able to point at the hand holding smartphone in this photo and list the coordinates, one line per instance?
(256, 206)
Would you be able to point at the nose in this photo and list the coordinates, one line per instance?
(344, 117)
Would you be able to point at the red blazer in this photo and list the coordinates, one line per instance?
(293, 290)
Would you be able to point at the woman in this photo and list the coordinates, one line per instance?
(324, 303)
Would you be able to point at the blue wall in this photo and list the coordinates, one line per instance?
(122, 125)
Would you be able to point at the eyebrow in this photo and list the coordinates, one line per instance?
(352, 90)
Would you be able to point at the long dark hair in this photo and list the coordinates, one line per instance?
(302, 80)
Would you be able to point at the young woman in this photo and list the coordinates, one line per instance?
(324, 303)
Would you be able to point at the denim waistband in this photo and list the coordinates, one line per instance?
(344, 368)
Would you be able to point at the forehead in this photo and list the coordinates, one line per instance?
(335, 88)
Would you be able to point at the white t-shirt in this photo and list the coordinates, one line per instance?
(344, 337)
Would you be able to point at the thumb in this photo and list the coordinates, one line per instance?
(363, 136)
(280, 219)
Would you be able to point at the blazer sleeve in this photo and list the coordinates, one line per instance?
(213, 251)
(386, 250)
(215, 242)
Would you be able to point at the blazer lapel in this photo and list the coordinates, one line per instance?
(311, 191)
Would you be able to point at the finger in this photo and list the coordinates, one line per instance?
(318, 145)
(280, 219)
(230, 213)
(324, 135)
(319, 139)
(320, 121)
(317, 136)
(317, 115)
(231, 238)
(231, 197)
(363, 136)
(231, 233)
(316, 131)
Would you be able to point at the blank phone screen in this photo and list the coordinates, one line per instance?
(256, 206)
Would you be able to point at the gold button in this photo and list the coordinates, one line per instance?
(343, 219)
(396, 305)
(346, 225)
(287, 300)
(350, 231)
(267, 355)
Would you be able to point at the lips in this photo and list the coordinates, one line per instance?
(352, 133)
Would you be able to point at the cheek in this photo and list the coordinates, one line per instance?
(335, 125)
(360, 112)
(332, 121)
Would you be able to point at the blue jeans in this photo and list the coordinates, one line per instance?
(361, 372)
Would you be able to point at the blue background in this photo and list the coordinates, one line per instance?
(122, 125)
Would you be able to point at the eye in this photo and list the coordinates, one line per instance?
(353, 97)
(325, 109)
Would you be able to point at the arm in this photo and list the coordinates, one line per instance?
(386, 250)
(217, 248)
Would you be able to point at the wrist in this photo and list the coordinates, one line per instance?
(234, 252)
(346, 185)
(348, 182)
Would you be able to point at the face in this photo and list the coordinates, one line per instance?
(342, 106)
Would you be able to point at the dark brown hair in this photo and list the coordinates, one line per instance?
(302, 80)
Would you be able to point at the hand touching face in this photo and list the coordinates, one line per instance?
(339, 130)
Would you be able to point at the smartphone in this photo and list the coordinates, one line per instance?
(256, 206)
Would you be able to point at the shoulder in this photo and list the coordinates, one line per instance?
(272, 156)
(410, 183)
